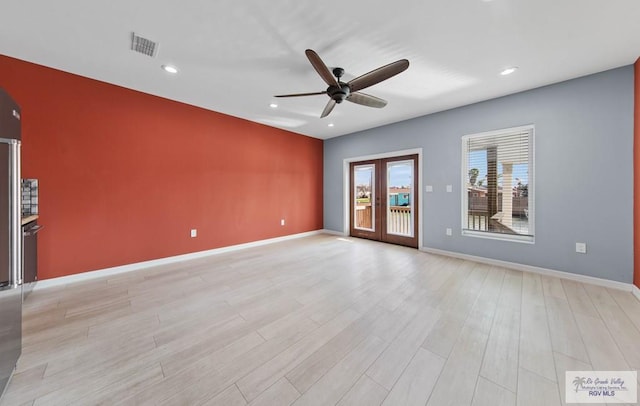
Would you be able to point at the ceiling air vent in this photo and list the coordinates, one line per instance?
(143, 45)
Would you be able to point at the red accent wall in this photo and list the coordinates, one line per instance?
(636, 176)
(124, 175)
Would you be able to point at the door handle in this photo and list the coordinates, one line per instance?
(33, 230)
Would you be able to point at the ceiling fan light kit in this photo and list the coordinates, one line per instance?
(339, 91)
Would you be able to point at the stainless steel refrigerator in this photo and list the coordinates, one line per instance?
(10, 239)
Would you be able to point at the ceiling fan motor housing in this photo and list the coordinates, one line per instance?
(339, 93)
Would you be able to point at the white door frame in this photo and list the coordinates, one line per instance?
(346, 192)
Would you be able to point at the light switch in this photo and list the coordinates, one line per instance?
(429, 188)
(449, 188)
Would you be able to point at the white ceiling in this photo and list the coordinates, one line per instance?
(235, 55)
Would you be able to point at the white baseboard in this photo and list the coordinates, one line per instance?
(628, 287)
(636, 292)
(332, 232)
(84, 276)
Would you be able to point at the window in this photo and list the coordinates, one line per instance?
(497, 174)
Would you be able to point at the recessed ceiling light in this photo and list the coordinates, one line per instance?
(509, 70)
(170, 68)
(273, 105)
(330, 125)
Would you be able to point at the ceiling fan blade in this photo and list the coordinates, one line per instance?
(378, 75)
(301, 94)
(328, 108)
(366, 100)
(321, 68)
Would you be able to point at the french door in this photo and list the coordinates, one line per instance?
(384, 200)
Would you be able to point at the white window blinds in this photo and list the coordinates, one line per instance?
(498, 183)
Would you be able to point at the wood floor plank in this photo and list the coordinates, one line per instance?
(37, 320)
(621, 328)
(457, 380)
(118, 390)
(267, 374)
(532, 290)
(629, 304)
(390, 323)
(534, 390)
(552, 287)
(365, 392)
(492, 284)
(449, 293)
(168, 332)
(83, 359)
(229, 397)
(489, 394)
(536, 351)
(290, 324)
(511, 293)
(271, 310)
(565, 336)
(578, 298)
(476, 278)
(337, 382)
(601, 347)
(500, 363)
(444, 334)
(110, 385)
(600, 296)
(414, 386)
(174, 363)
(281, 393)
(125, 326)
(38, 350)
(193, 387)
(564, 364)
(399, 295)
(317, 364)
(395, 358)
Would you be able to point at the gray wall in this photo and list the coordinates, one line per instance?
(583, 173)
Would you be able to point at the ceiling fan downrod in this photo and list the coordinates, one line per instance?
(341, 92)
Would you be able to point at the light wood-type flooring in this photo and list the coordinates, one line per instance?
(321, 320)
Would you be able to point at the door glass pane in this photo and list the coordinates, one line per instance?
(363, 196)
(400, 197)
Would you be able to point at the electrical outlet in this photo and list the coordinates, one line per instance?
(429, 188)
(194, 233)
(449, 232)
(282, 222)
(581, 247)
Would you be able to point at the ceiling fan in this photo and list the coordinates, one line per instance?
(340, 91)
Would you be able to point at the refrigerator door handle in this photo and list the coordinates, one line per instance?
(33, 231)
(15, 215)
